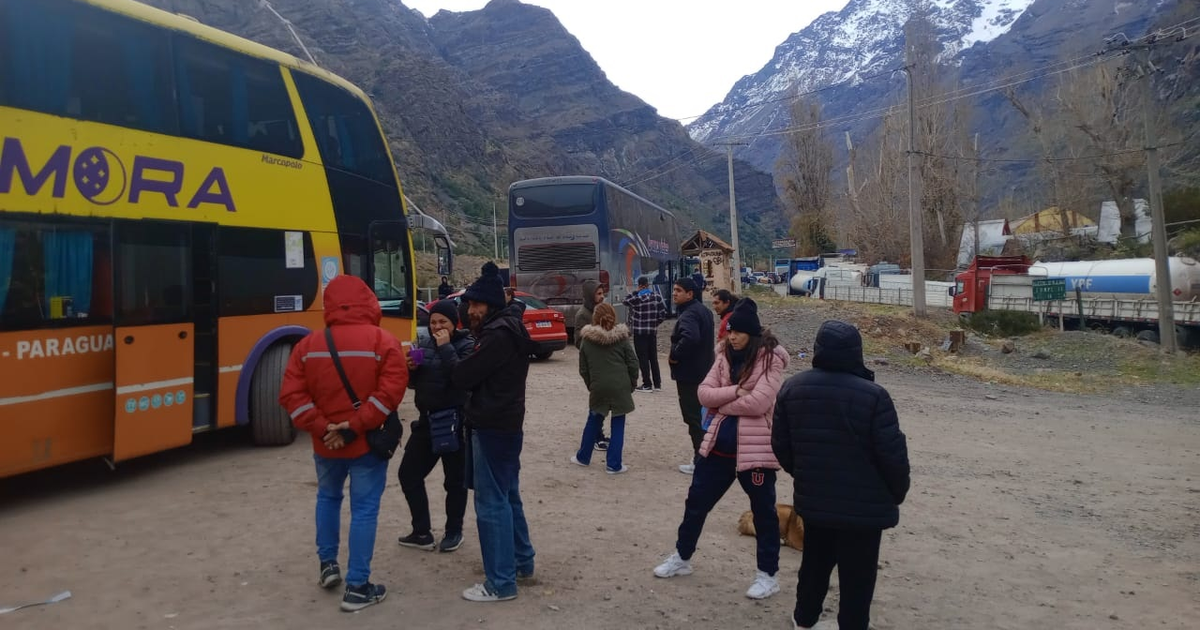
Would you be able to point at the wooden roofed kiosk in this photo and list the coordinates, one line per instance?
(715, 262)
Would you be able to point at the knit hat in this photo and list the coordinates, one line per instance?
(488, 289)
(744, 318)
(447, 309)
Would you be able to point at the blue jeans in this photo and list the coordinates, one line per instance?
(499, 514)
(591, 431)
(368, 476)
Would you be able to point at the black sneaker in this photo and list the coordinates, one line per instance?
(524, 574)
(331, 575)
(601, 443)
(359, 597)
(450, 543)
(418, 541)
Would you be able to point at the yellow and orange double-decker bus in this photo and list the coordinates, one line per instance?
(172, 201)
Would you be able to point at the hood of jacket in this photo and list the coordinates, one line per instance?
(589, 294)
(838, 348)
(597, 334)
(348, 300)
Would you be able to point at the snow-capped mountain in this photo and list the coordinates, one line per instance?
(856, 49)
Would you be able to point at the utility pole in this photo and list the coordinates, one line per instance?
(1158, 222)
(916, 229)
(735, 258)
(975, 197)
(495, 235)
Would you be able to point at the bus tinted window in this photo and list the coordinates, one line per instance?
(346, 133)
(54, 274)
(554, 201)
(253, 270)
(153, 276)
(67, 59)
(232, 99)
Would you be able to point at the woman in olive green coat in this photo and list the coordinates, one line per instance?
(609, 367)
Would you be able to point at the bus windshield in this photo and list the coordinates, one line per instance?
(569, 200)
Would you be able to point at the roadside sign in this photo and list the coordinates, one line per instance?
(783, 243)
(1050, 289)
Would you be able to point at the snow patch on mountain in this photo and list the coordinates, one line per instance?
(995, 20)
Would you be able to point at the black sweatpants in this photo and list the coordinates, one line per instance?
(646, 347)
(713, 477)
(856, 555)
(419, 460)
(689, 406)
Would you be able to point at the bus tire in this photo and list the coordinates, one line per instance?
(1148, 335)
(270, 425)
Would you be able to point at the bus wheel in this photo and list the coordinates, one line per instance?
(1148, 335)
(1124, 332)
(269, 423)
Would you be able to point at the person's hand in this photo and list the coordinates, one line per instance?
(408, 360)
(742, 392)
(331, 427)
(333, 441)
(442, 337)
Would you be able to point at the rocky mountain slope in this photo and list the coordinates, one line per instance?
(850, 56)
(474, 101)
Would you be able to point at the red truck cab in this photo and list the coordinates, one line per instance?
(971, 286)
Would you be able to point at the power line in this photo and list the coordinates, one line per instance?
(1096, 156)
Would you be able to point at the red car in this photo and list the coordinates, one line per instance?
(545, 325)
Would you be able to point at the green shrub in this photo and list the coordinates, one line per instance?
(1187, 243)
(1004, 323)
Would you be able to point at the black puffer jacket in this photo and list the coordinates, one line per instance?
(837, 433)
(495, 373)
(431, 379)
(692, 342)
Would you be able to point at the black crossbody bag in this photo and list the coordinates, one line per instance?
(384, 440)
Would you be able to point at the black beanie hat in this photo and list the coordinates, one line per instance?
(447, 309)
(488, 289)
(744, 318)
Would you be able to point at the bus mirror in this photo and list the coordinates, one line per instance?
(951, 292)
(445, 256)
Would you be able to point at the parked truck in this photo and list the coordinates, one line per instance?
(1116, 296)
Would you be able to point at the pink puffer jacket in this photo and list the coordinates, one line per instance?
(754, 410)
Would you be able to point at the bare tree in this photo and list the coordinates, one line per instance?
(876, 219)
(803, 171)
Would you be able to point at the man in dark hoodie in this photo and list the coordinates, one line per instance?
(593, 294)
(430, 378)
(691, 357)
(836, 432)
(495, 375)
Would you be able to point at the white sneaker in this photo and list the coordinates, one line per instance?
(575, 460)
(687, 469)
(674, 565)
(481, 593)
(763, 587)
(621, 470)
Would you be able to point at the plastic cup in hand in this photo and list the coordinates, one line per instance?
(417, 355)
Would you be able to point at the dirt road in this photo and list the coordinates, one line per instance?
(1028, 510)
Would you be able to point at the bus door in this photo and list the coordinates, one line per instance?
(154, 336)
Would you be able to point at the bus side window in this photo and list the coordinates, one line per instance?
(68, 59)
(347, 135)
(232, 99)
(252, 269)
(54, 275)
(153, 267)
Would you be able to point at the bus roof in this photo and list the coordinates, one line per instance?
(192, 26)
(584, 179)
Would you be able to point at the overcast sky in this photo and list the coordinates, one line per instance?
(680, 56)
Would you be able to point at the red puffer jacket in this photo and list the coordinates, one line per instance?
(312, 392)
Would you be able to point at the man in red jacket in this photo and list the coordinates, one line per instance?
(313, 394)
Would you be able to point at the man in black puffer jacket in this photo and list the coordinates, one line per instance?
(837, 433)
(691, 357)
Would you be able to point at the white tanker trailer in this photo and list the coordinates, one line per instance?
(1123, 278)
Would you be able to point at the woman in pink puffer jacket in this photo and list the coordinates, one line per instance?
(739, 393)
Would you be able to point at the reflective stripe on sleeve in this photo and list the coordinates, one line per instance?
(379, 406)
(301, 409)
